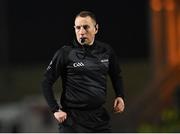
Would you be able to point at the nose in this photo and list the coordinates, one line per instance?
(82, 30)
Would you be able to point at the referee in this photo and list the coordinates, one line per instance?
(83, 67)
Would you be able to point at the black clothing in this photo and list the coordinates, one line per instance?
(91, 121)
(83, 70)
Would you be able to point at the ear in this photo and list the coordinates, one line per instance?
(96, 28)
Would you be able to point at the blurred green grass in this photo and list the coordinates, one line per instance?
(170, 123)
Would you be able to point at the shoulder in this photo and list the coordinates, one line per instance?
(103, 45)
(64, 49)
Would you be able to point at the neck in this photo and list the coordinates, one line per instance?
(89, 44)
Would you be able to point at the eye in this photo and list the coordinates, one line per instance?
(77, 27)
(86, 27)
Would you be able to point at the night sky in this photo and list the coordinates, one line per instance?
(38, 28)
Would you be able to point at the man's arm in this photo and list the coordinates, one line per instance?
(53, 71)
(50, 76)
(116, 78)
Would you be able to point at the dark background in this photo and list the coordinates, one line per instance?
(36, 29)
(32, 30)
(30, 33)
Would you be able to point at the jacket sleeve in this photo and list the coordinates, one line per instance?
(51, 74)
(115, 74)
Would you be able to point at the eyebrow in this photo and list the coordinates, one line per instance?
(79, 26)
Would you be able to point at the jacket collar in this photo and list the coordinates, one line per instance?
(78, 45)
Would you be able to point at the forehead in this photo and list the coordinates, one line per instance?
(84, 20)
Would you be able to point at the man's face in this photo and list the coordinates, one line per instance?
(86, 28)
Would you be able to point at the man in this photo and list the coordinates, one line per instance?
(83, 67)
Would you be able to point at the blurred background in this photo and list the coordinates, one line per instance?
(145, 34)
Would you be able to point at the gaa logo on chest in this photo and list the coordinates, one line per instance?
(78, 64)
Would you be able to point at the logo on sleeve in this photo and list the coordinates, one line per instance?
(49, 66)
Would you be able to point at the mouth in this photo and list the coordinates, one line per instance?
(82, 40)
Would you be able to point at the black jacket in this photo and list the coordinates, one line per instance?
(83, 70)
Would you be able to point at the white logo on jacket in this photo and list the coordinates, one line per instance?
(78, 64)
(104, 60)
